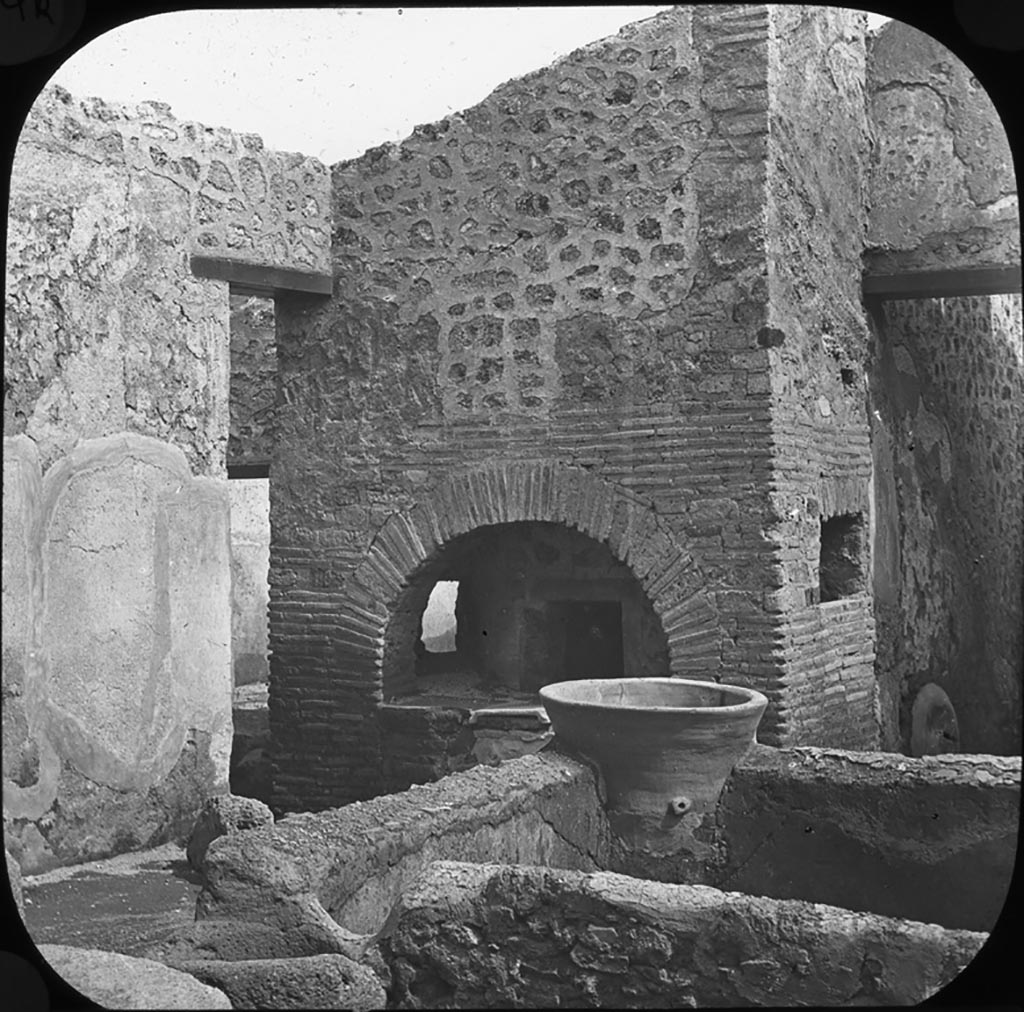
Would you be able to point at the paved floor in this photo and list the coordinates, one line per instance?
(123, 904)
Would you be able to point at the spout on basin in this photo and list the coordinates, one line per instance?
(679, 806)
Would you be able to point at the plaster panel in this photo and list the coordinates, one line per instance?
(123, 677)
(250, 560)
(30, 765)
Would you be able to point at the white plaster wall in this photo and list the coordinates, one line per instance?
(250, 561)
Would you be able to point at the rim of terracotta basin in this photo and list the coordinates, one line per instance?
(748, 699)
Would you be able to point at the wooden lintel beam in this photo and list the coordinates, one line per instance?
(251, 469)
(255, 279)
(943, 284)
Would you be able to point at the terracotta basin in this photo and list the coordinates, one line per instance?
(664, 746)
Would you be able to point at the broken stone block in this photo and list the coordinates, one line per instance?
(474, 936)
(116, 981)
(310, 982)
(223, 815)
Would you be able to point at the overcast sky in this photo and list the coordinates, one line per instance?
(331, 82)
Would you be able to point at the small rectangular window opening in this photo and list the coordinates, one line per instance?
(439, 623)
(841, 566)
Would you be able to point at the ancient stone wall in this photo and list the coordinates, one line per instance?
(116, 395)
(943, 191)
(931, 839)
(106, 328)
(817, 193)
(949, 390)
(253, 380)
(486, 936)
(117, 677)
(946, 383)
(892, 836)
(328, 882)
(572, 272)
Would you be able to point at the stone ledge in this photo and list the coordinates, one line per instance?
(931, 838)
(326, 882)
(475, 936)
(116, 981)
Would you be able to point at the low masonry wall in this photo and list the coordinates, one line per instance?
(933, 839)
(327, 882)
(487, 936)
(930, 839)
(424, 743)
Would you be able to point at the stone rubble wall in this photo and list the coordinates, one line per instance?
(889, 836)
(327, 882)
(106, 329)
(488, 936)
(942, 184)
(253, 380)
(570, 273)
(946, 382)
(116, 663)
(949, 389)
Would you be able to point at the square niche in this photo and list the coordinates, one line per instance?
(842, 566)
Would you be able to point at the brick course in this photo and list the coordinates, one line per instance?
(557, 306)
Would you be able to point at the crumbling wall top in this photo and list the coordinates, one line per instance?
(943, 190)
(246, 202)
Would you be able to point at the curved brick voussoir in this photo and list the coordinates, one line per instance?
(365, 602)
(510, 480)
(450, 510)
(670, 569)
(465, 513)
(598, 509)
(652, 554)
(496, 485)
(548, 492)
(483, 504)
(625, 521)
(639, 544)
(694, 636)
(422, 518)
(400, 542)
(379, 574)
(575, 487)
(688, 618)
(535, 508)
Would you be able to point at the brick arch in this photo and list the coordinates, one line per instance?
(539, 491)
